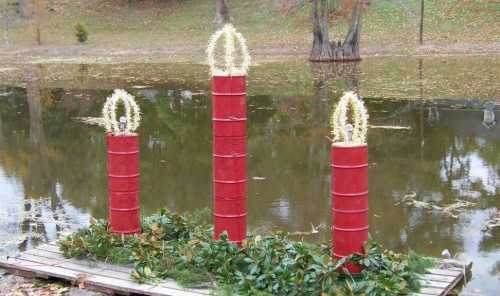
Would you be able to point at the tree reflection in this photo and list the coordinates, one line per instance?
(30, 155)
(46, 149)
(1, 134)
(495, 270)
(336, 77)
(39, 180)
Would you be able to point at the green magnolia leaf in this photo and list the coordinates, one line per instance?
(182, 247)
(147, 271)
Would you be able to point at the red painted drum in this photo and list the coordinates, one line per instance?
(349, 201)
(123, 183)
(229, 156)
(229, 106)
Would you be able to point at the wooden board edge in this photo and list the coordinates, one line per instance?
(9, 263)
(43, 272)
(99, 270)
(456, 273)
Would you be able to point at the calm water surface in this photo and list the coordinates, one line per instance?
(53, 169)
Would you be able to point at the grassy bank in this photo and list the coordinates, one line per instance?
(183, 27)
(388, 77)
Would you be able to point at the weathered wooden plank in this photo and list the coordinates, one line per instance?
(86, 266)
(56, 253)
(87, 263)
(124, 286)
(440, 281)
(52, 243)
(453, 273)
(433, 284)
(48, 261)
(50, 252)
(438, 278)
(63, 263)
(431, 291)
(97, 268)
(54, 249)
(460, 277)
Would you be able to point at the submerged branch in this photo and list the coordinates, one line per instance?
(451, 210)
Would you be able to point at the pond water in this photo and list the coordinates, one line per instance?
(53, 168)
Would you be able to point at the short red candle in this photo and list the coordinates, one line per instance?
(123, 183)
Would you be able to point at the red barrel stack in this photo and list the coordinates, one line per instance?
(123, 183)
(229, 156)
(349, 201)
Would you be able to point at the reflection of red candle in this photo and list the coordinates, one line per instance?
(349, 200)
(229, 156)
(123, 183)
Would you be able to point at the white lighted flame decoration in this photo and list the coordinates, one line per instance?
(230, 36)
(126, 124)
(342, 131)
(132, 113)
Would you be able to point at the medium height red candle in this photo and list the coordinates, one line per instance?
(349, 200)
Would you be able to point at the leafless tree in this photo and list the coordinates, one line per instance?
(222, 12)
(32, 10)
(324, 50)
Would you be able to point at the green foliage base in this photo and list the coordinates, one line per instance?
(181, 247)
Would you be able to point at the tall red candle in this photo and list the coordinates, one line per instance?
(229, 156)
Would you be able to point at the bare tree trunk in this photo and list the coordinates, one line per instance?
(421, 32)
(38, 21)
(6, 15)
(32, 10)
(323, 49)
(6, 31)
(221, 12)
(350, 47)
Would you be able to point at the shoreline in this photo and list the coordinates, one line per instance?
(78, 54)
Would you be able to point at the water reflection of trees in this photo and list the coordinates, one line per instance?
(390, 154)
(177, 176)
(39, 181)
(495, 270)
(336, 77)
(31, 156)
(444, 173)
(286, 144)
(288, 150)
(1, 134)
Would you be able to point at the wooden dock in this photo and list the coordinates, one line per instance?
(46, 261)
(446, 277)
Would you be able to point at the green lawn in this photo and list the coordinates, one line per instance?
(387, 25)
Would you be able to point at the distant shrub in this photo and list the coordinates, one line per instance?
(81, 33)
